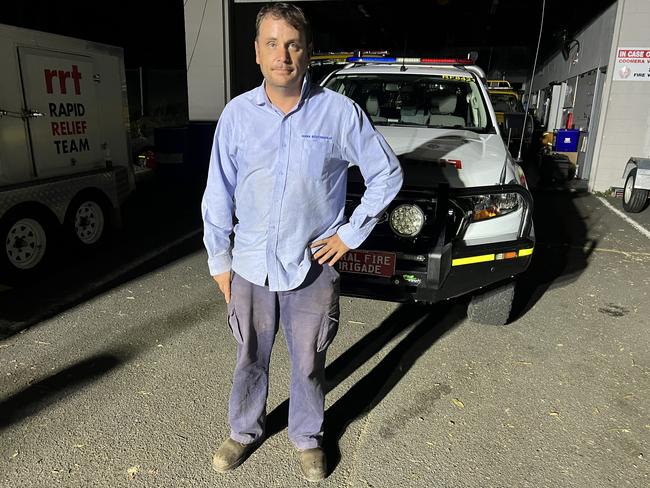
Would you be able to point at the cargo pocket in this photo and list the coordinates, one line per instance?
(233, 323)
(315, 155)
(328, 330)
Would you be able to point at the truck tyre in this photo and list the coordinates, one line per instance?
(633, 198)
(26, 244)
(87, 221)
(492, 306)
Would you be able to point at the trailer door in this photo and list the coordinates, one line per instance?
(61, 111)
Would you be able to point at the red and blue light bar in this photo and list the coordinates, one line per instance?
(393, 60)
(371, 59)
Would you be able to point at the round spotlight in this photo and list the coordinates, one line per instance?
(407, 220)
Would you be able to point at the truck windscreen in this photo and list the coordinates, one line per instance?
(426, 101)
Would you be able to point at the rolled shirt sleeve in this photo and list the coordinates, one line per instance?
(366, 147)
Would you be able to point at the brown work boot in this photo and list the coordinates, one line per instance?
(313, 464)
(231, 454)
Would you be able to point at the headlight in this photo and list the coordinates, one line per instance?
(490, 206)
(407, 220)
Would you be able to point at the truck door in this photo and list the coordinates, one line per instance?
(61, 111)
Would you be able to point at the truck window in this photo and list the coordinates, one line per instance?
(423, 101)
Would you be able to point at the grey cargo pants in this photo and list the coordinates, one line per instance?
(309, 316)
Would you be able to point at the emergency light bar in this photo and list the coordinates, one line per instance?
(344, 55)
(446, 61)
(368, 59)
(389, 60)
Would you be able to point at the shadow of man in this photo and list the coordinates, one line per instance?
(426, 323)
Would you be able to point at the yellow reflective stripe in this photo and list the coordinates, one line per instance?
(472, 260)
(486, 257)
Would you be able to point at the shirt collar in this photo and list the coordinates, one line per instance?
(261, 98)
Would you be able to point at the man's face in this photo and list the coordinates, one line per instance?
(282, 54)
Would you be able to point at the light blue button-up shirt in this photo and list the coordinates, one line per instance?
(284, 178)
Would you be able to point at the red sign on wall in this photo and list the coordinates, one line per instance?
(632, 64)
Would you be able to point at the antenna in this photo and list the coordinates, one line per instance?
(532, 79)
(403, 67)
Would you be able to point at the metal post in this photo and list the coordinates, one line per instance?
(141, 92)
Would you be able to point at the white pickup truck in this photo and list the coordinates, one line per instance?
(65, 163)
(462, 222)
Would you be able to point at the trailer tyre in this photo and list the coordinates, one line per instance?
(27, 241)
(634, 199)
(492, 306)
(87, 221)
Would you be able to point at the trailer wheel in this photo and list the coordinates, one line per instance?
(492, 306)
(86, 221)
(633, 198)
(26, 244)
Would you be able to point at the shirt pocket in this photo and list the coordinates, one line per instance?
(316, 153)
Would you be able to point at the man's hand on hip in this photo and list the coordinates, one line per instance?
(333, 248)
(223, 280)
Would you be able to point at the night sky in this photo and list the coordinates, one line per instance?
(152, 31)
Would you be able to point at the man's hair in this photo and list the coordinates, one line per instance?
(291, 14)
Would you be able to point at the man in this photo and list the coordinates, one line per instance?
(279, 164)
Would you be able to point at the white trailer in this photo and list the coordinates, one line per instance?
(636, 186)
(65, 162)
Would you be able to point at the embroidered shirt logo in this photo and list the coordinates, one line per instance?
(317, 136)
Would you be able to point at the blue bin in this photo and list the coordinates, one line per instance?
(566, 140)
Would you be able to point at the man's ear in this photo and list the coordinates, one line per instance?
(257, 52)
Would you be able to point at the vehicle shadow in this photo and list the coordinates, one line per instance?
(118, 351)
(41, 394)
(563, 245)
(162, 223)
(426, 323)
